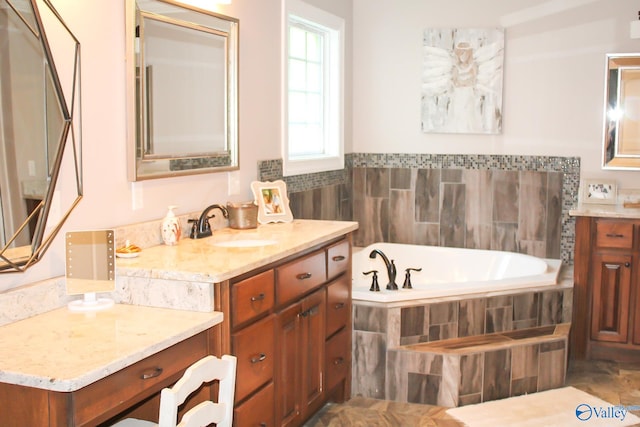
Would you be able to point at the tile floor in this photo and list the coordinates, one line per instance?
(617, 383)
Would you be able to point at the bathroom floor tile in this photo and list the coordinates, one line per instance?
(617, 383)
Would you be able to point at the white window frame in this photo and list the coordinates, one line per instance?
(333, 158)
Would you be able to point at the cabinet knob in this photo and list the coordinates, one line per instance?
(339, 305)
(627, 264)
(259, 358)
(338, 361)
(259, 297)
(303, 276)
(151, 373)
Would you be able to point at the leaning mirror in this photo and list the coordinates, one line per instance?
(40, 159)
(182, 90)
(621, 148)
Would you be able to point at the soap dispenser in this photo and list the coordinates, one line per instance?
(171, 228)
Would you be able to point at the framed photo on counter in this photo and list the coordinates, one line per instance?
(273, 202)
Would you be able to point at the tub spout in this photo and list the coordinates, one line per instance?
(391, 268)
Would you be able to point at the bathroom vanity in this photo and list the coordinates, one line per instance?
(606, 320)
(278, 297)
(285, 291)
(81, 369)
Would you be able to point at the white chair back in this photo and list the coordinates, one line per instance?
(205, 370)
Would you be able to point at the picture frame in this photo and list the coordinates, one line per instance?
(272, 200)
(601, 192)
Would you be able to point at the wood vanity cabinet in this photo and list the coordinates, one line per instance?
(606, 319)
(290, 327)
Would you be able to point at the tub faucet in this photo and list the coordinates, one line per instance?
(391, 268)
(201, 227)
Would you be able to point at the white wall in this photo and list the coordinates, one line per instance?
(552, 96)
(553, 91)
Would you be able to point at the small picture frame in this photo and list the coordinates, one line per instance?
(273, 202)
(599, 192)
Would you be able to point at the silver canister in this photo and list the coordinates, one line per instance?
(242, 215)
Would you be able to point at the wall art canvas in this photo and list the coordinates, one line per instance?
(462, 80)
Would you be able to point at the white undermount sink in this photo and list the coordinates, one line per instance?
(245, 243)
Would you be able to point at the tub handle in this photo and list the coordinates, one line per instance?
(407, 277)
(375, 287)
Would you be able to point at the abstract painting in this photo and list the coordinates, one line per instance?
(462, 80)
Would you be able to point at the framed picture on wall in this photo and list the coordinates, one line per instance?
(273, 202)
(600, 192)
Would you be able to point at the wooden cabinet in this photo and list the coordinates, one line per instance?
(606, 324)
(132, 391)
(290, 327)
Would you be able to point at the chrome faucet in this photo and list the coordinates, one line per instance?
(391, 268)
(201, 227)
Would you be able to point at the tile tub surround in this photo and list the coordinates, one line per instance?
(65, 351)
(381, 330)
(501, 202)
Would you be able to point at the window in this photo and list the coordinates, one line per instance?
(313, 51)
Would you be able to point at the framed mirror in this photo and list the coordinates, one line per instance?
(40, 155)
(621, 146)
(182, 90)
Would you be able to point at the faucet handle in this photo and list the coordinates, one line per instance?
(375, 287)
(407, 277)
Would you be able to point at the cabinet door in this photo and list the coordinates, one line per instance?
(289, 370)
(611, 292)
(299, 378)
(313, 315)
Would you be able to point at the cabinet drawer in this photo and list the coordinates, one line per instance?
(251, 297)
(255, 349)
(338, 258)
(338, 353)
(614, 234)
(258, 410)
(338, 305)
(299, 277)
(139, 380)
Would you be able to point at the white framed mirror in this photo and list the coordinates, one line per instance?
(621, 136)
(182, 90)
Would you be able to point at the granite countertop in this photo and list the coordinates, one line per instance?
(202, 260)
(605, 211)
(64, 351)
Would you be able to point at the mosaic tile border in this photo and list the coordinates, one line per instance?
(271, 170)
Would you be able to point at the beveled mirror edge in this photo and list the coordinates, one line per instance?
(133, 174)
(617, 162)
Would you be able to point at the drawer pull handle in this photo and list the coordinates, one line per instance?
(151, 373)
(303, 276)
(617, 236)
(259, 297)
(263, 424)
(338, 361)
(612, 266)
(339, 305)
(259, 358)
(338, 258)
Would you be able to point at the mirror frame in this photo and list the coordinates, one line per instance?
(18, 259)
(612, 158)
(141, 167)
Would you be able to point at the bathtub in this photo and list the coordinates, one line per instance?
(448, 272)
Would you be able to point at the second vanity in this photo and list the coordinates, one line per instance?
(285, 292)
